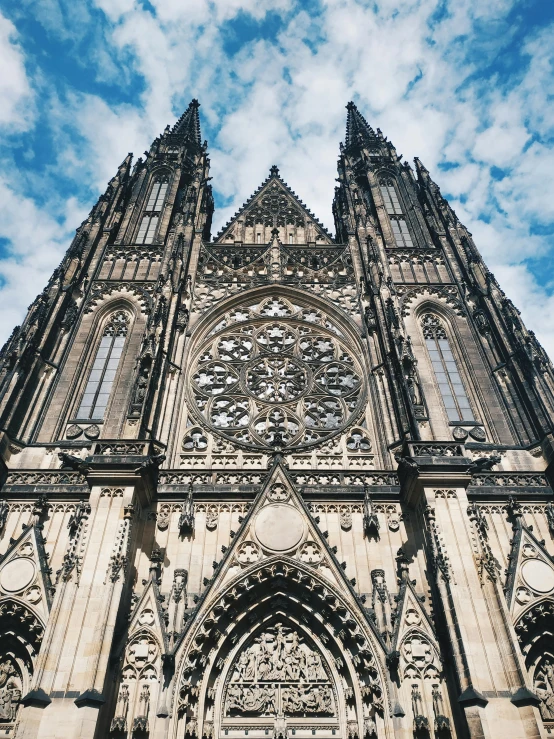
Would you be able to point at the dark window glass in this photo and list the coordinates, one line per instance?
(446, 372)
(102, 375)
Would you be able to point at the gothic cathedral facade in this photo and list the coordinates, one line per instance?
(275, 483)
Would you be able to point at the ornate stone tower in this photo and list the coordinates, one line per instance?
(275, 484)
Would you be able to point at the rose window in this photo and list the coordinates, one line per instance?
(275, 373)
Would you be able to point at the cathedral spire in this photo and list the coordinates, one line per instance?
(357, 126)
(188, 124)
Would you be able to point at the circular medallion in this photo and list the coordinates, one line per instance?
(279, 527)
(17, 574)
(538, 575)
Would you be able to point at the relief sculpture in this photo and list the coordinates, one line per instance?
(279, 673)
(10, 691)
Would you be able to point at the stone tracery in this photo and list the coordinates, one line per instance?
(274, 372)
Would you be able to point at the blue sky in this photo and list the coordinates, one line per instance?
(466, 85)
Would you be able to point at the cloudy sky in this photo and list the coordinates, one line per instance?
(466, 85)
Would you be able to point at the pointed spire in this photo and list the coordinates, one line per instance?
(356, 126)
(188, 124)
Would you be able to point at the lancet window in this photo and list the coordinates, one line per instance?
(446, 370)
(399, 225)
(102, 375)
(149, 223)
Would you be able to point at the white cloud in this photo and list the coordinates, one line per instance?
(16, 105)
(413, 68)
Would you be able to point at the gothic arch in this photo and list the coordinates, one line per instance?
(21, 633)
(459, 335)
(280, 590)
(535, 631)
(76, 371)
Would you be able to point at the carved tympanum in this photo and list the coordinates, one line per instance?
(279, 674)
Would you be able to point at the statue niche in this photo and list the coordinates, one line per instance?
(279, 674)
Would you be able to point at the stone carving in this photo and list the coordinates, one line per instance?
(278, 493)
(279, 674)
(186, 519)
(420, 721)
(310, 553)
(211, 519)
(544, 687)
(442, 723)
(92, 432)
(277, 382)
(119, 721)
(10, 690)
(4, 510)
(345, 515)
(73, 431)
(248, 553)
(140, 722)
(195, 441)
(418, 657)
(478, 434)
(358, 442)
(371, 522)
(163, 517)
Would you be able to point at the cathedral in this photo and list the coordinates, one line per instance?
(275, 483)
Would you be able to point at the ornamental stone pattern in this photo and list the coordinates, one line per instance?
(275, 482)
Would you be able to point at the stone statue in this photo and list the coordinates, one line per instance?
(119, 721)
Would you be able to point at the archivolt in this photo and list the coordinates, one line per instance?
(280, 589)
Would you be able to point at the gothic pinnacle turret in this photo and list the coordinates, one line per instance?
(188, 124)
(357, 126)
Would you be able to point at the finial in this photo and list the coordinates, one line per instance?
(350, 106)
(274, 171)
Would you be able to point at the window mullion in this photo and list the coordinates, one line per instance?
(101, 380)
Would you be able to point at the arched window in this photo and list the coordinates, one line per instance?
(99, 385)
(399, 225)
(446, 371)
(149, 224)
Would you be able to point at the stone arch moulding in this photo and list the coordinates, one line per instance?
(535, 632)
(276, 363)
(412, 299)
(129, 292)
(280, 594)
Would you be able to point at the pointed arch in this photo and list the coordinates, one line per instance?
(280, 590)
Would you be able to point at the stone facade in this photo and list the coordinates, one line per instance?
(275, 483)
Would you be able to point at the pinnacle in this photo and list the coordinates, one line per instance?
(188, 124)
(356, 125)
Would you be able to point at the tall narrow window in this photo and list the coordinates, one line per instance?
(102, 375)
(390, 198)
(151, 216)
(446, 371)
(399, 225)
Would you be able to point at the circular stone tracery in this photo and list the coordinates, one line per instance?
(275, 373)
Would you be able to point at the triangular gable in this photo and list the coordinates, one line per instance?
(410, 615)
(273, 205)
(147, 615)
(414, 643)
(25, 573)
(279, 523)
(530, 573)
